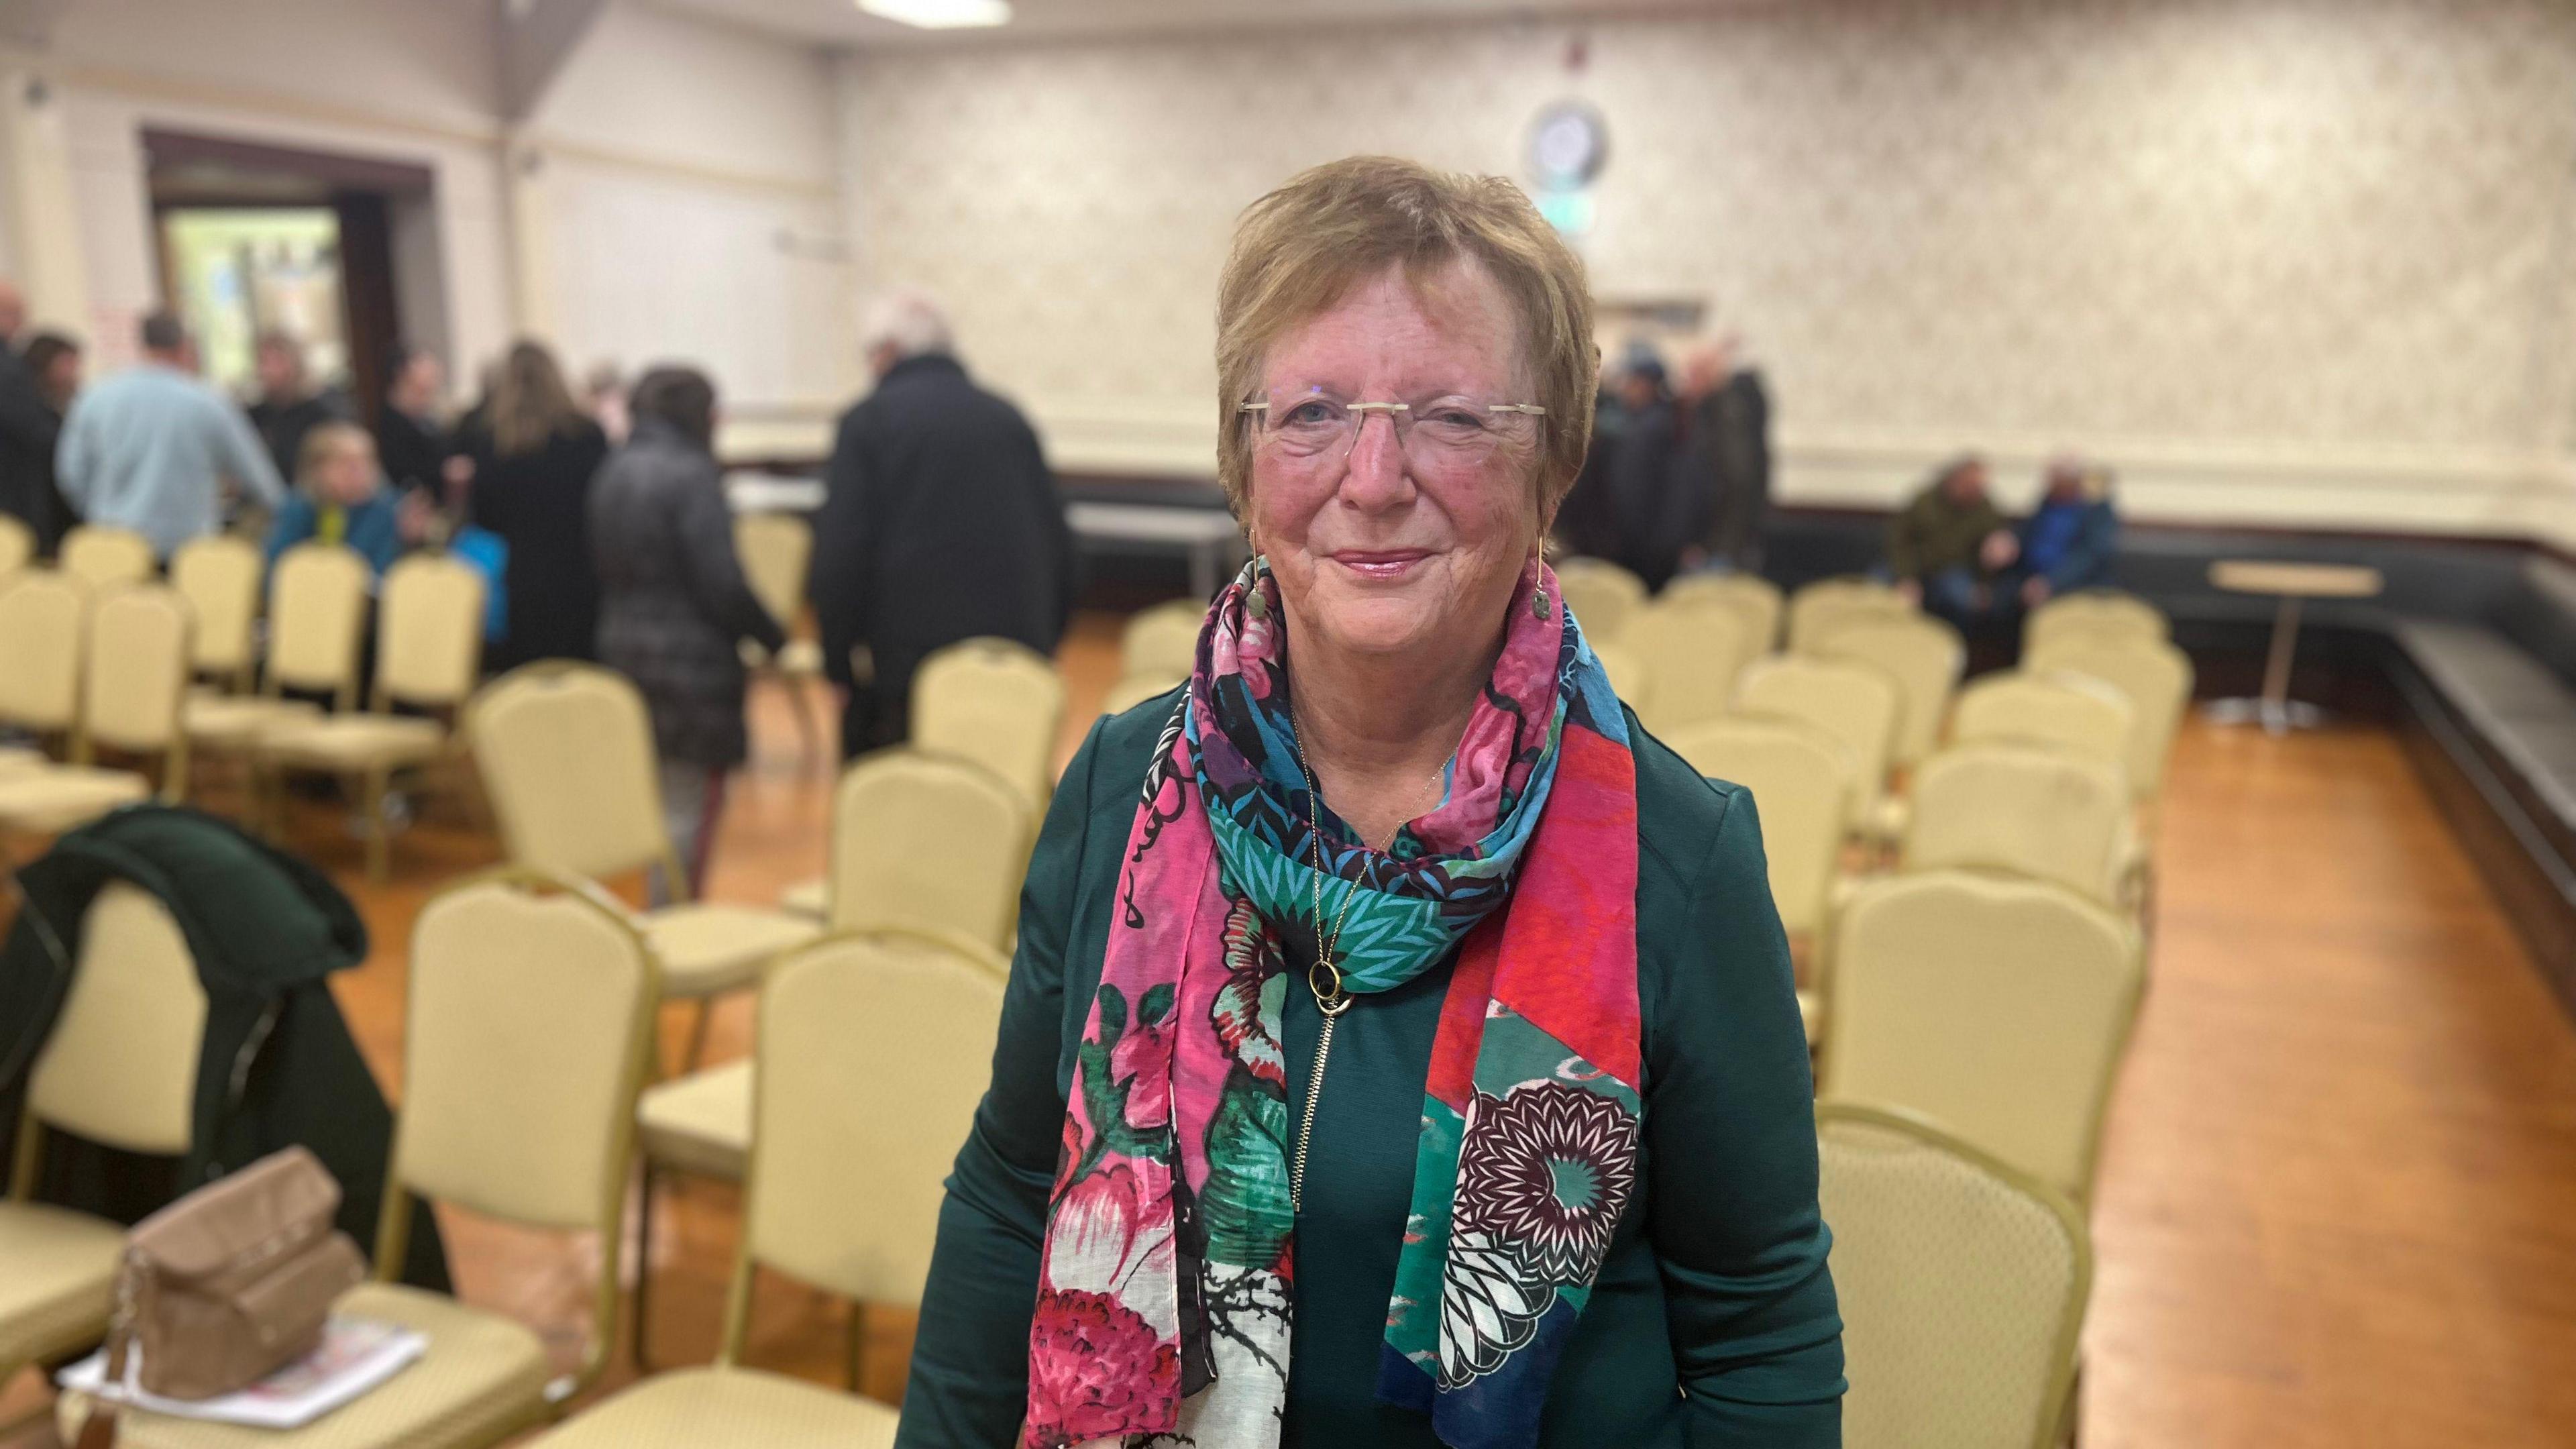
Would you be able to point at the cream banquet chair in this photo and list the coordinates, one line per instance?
(1601, 594)
(220, 575)
(1999, 1008)
(777, 550)
(1135, 689)
(925, 841)
(131, 691)
(1828, 604)
(17, 545)
(566, 754)
(1695, 651)
(1754, 600)
(429, 652)
(2071, 712)
(996, 703)
(2028, 810)
(701, 1124)
(1163, 641)
(526, 1031)
(1630, 678)
(2153, 675)
(317, 619)
(1923, 655)
(119, 1068)
(1802, 781)
(872, 1051)
(1853, 703)
(98, 555)
(1962, 1282)
(2102, 614)
(43, 616)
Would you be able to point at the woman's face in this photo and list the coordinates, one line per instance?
(347, 473)
(1381, 550)
(62, 378)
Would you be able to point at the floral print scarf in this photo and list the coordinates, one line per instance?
(1168, 1280)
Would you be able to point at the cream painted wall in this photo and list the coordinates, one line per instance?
(2300, 261)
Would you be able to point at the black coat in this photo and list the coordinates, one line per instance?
(674, 606)
(276, 1067)
(942, 523)
(1727, 462)
(282, 426)
(413, 451)
(539, 504)
(29, 428)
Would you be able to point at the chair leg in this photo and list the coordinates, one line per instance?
(698, 1034)
(372, 795)
(857, 1344)
(800, 699)
(642, 1350)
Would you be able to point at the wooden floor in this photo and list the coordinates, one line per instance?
(2338, 1204)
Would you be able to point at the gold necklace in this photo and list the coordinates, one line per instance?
(1324, 977)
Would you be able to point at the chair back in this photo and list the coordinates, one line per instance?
(530, 1008)
(137, 680)
(2028, 810)
(872, 1050)
(566, 754)
(1163, 641)
(1999, 1008)
(2069, 712)
(2104, 614)
(928, 842)
(996, 703)
(775, 549)
(1962, 1284)
(43, 614)
(17, 544)
(429, 638)
(1854, 703)
(1630, 677)
(1802, 781)
(120, 1067)
(1694, 650)
(2152, 674)
(219, 574)
(1827, 604)
(1923, 655)
(1754, 600)
(317, 616)
(1601, 594)
(1134, 690)
(100, 554)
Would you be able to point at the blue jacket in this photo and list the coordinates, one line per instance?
(374, 529)
(2070, 552)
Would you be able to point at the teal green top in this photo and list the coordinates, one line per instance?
(1713, 1323)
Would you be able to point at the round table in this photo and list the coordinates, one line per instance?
(2293, 584)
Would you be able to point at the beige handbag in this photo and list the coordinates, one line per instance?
(223, 1287)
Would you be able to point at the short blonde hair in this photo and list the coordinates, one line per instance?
(1298, 250)
(322, 440)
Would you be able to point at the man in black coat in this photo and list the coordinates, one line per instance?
(941, 523)
(1726, 457)
(289, 405)
(28, 430)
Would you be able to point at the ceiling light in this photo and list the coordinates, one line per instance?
(941, 14)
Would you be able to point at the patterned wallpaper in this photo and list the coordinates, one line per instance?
(2294, 239)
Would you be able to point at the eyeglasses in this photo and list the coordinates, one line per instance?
(1441, 430)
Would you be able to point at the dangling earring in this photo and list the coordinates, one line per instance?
(1538, 590)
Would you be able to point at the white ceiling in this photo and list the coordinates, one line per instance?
(840, 22)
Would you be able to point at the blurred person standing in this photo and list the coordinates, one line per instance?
(152, 447)
(530, 454)
(1946, 549)
(2071, 540)
(410, 440)
(941, 522)
(1725, 456)
(29, 429)
(289, 404)
(1655, 513)
(674, 605)
(340, 497)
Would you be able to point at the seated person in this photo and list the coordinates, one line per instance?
(2071, 539)
(340, 497)
(1946, 549)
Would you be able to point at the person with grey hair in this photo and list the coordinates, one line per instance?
(151, 448)
(28, 431)
(940, 523)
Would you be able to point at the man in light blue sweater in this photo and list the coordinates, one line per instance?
(150, 448)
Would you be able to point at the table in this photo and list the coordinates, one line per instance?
(1207, 535)
(2293, 584)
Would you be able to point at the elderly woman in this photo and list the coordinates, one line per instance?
(1401, 1048)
